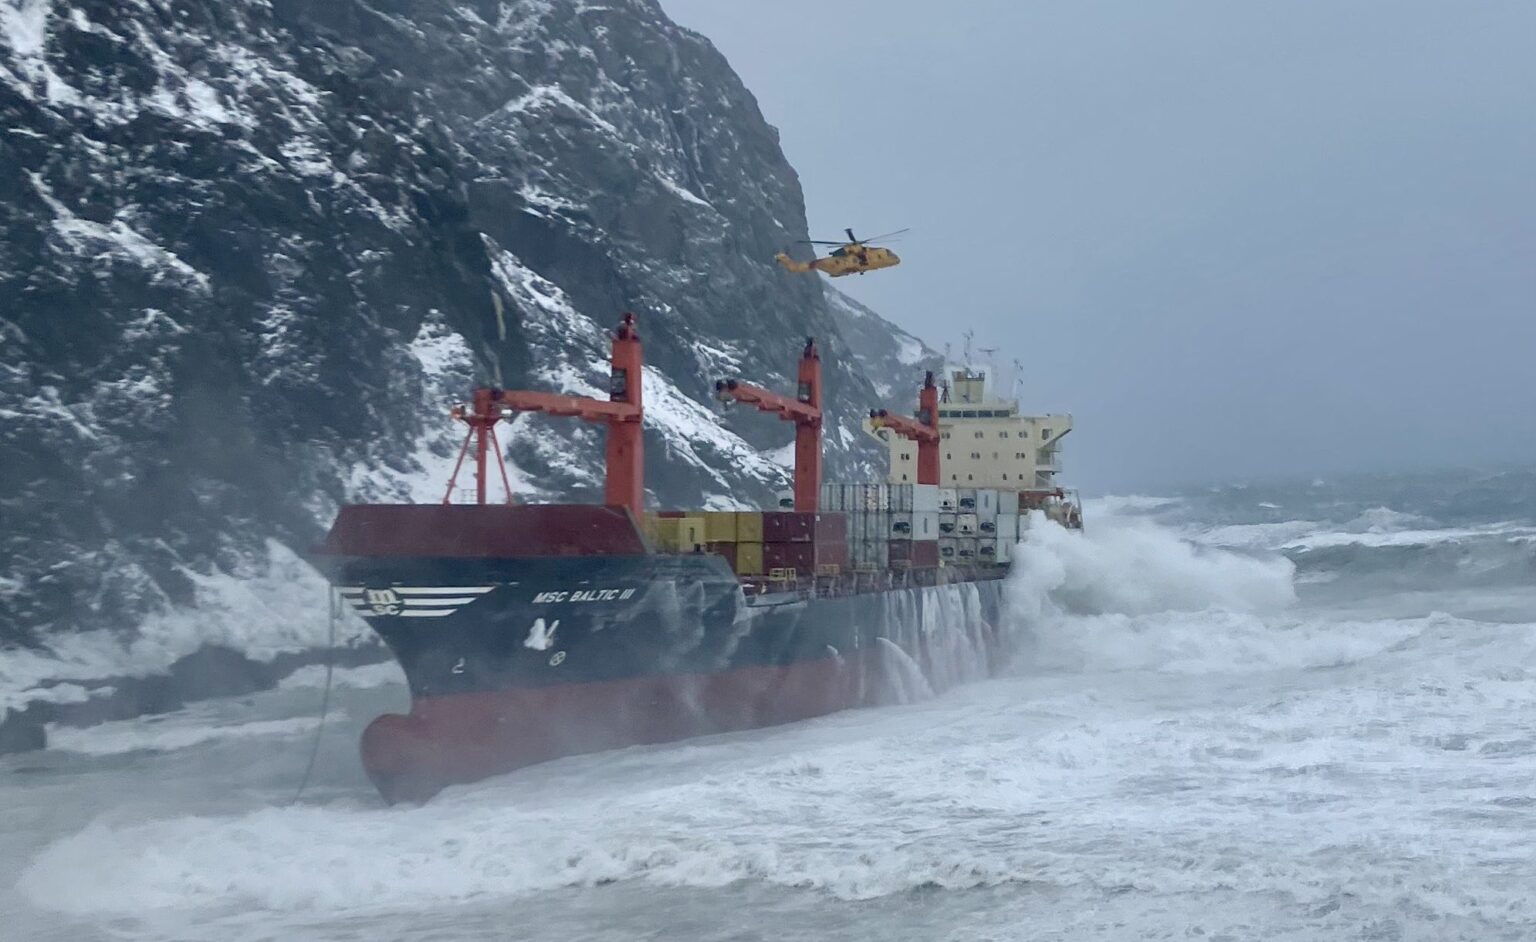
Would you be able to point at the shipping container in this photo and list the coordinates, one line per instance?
(831, 528)
(947, 549)
(1007, 528)
(749, 526)
(965, 549)
(788, 526)
(720, 526)
(925, 525)
(949, 500)
(986, 550)
(804, 558)
(900, 553)
(986, 526)
(832, 497)
(728, 550)
(987, 502)
(871, 555)
(967, 500)
(966, 524)
(749, 559)
(877, 527)
(1004, 552)
(925, 554)
(801, 557)
(901, 526)
(678, 534)
(925, 498)
(949, 524)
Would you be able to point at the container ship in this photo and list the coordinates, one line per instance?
(532, 631)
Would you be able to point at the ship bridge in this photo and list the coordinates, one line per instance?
(984, 441)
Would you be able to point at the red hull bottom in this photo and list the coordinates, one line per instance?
(453, 740)
(463, 738)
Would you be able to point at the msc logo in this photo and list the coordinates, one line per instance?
(383, 601)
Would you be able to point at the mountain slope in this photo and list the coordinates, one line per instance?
(252, 250)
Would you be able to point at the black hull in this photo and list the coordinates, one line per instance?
(516, 661)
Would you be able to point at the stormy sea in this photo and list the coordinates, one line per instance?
(1297, 710)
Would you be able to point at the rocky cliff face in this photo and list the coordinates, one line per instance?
(250, 251)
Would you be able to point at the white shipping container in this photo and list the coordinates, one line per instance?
(877, 497)
(949, 524)
(925, 498)
(901, 525)
(925, 525)
(948, 548)
(986, 526)
(832, 497)
(870, 555)
(877, 526)
(966, 524)
(853, 497)
(986, 503)
(965, 549)
(948, 500)
(1004, 552)
(1008, 528)
(986, 550)
(967, 500)
(901, 497)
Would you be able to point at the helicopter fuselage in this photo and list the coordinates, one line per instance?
(853, 259)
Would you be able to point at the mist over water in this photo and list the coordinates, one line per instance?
(1282, 712)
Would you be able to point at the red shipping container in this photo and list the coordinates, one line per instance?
(832, 554)
(925, 553)
(728, 550)
(901, 551)
(801, 557)
(788, 526)
(831, 528)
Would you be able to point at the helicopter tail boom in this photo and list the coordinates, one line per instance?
(791, 264)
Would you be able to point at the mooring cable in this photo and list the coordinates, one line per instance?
(334, 613)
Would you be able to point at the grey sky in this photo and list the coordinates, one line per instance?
(1232, 238)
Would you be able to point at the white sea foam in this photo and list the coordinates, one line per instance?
(167, 733)
(382, 674)
(1131, 567)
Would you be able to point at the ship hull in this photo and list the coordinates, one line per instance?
(513, 661)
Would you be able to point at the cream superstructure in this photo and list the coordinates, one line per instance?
(985, 442)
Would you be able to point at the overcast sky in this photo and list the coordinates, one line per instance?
(1234, 239)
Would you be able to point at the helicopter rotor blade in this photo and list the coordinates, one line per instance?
(851, 236)
(819, 242)
(887, 237)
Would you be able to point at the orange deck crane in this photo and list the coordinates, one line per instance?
(804, 410)
(924, 429)
(622, 412)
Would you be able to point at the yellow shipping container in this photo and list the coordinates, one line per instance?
(678, 534)
(749, 528)
(749, 558)
(720, 526)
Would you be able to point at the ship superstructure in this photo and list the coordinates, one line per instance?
(984, 441)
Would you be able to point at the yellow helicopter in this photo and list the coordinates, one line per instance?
(856, 256)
